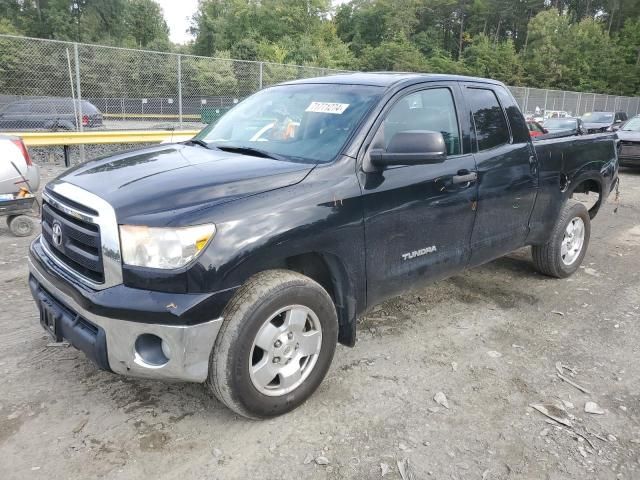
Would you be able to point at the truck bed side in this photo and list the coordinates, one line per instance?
(566, 166)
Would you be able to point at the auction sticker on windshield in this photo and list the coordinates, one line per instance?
(326, 107)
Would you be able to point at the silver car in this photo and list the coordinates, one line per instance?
(16, 168)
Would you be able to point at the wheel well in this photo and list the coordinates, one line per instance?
(328, 272)
(587, 186)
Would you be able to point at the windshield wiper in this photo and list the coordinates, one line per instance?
(256, 152)
(197, 141)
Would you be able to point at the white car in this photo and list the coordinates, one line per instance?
(16, 168)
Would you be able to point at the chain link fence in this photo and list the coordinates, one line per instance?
(54, 85)
(545, 102)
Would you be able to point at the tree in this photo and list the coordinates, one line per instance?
(398, 54)
(500, 61)
(145, 23)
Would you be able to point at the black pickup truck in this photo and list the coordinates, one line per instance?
(240, 258)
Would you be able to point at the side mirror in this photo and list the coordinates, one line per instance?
(411, 147)
(545, 131)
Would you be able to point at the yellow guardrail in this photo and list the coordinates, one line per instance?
(124, 116)
(45, 139)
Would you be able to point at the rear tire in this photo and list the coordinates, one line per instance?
(21, 225)
(275, 345)
(562, 255)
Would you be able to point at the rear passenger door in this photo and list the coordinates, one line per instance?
(507, 173)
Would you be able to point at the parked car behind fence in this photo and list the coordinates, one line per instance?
(49, 114)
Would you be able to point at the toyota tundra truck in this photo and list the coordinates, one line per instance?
(240, 258)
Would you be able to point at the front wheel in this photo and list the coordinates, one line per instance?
(562, 255)
(275, 345)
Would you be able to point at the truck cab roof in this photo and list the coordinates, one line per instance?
(390, 79)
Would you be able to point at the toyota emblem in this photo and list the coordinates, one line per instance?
(56, 233)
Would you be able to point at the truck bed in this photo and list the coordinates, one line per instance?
(588, 161)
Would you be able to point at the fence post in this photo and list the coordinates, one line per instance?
(260, 81)
(546, 95)
(180, 91)
(79, 96)
(579, 104)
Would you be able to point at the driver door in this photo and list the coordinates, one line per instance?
(418, 221)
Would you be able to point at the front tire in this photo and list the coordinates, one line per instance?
(562, 255)
(275, 345)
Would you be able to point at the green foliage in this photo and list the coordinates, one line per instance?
(585, 45)
(145, 23)
(138, 23)
(485, 58)
(203, 77)
(398, 54)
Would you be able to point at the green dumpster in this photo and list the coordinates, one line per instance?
(212, 114)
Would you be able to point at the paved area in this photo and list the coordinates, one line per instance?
(491, 341)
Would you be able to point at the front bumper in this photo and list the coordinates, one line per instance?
(123, 346)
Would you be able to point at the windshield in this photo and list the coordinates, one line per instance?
(632, 125)
(309, 122)
(560, 123)
(597, 117)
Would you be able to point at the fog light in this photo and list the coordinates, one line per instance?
(151, 350)
(165, 349)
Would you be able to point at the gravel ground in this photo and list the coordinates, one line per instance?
(490, 340)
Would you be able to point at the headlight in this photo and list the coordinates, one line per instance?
(163, 247)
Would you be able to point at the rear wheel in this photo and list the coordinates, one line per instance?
(562, 255)
(275, 345)
(21, 225)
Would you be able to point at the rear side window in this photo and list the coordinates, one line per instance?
(490, 122)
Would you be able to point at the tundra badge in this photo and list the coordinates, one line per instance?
(419, 253)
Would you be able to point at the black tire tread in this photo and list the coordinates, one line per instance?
(258, 286)
(546, 257)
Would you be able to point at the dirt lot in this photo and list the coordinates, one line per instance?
(489, 340)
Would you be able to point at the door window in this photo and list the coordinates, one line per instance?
(490, 122)
(431, 109)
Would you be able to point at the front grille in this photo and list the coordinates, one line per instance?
(78, 244)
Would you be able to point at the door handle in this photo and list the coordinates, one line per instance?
(464, 176)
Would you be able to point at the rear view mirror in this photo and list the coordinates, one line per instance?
(411, 147)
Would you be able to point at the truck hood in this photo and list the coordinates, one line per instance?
(178, 178)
